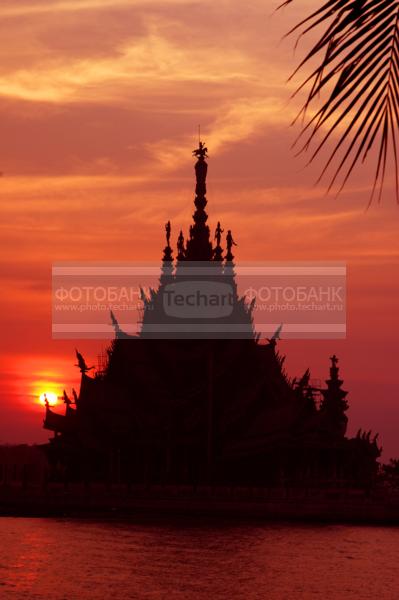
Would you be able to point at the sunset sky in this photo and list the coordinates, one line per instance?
(100, 102)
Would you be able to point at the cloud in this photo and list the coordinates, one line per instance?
(40, 8)
(237, 121)
(151, 60)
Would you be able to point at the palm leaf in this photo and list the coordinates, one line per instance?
(353, 92)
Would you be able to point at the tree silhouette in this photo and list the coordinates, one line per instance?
(353, 91)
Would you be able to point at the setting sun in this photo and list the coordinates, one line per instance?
(51, 397)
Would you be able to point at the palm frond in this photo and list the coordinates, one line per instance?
(354, 88)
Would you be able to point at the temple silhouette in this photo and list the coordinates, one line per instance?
(198, 408)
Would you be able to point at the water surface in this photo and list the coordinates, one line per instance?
(42, 559)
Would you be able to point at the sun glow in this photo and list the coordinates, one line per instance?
(51, 397)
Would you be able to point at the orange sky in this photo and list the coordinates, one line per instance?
(99, 102)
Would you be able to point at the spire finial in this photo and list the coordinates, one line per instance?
(201, 152)
(199, 247)
(334, 369)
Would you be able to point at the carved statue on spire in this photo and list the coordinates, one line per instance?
(229, 241)
(229, 244)
(180, 245)
(201, 152)
(168, 230)
(218, 250)
(67, 400)
(218, 233)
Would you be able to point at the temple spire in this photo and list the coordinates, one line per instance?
(334, 403)
(199, 247)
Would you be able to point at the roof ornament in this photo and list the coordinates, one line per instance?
(276, 335)
(115, 323)
(202, 151)
(302, 383)
(82, 363)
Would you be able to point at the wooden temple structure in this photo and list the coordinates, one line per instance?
(198, 409)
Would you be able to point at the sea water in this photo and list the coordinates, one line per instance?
(61, 559)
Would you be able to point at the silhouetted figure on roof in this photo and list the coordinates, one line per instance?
(46, 402)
